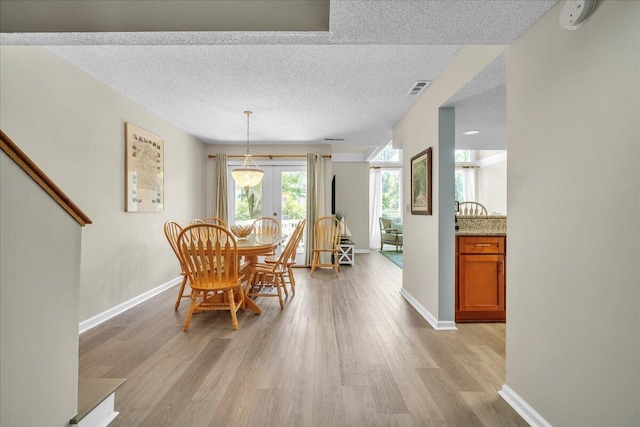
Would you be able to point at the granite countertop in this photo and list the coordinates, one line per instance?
(489, 225)
(480, 233)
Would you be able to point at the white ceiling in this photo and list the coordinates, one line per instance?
(303, 87)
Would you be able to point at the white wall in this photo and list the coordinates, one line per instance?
(352, 197)
(573, 326)
(72, 126)
(492, 181)
(39, 283)
(415, 132)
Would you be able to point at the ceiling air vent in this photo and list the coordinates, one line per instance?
(418, 87)
(334, 139)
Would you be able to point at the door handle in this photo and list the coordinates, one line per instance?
(275, 214)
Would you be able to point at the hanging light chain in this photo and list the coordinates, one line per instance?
(248, 113)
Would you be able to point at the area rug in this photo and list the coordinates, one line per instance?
(394, 257)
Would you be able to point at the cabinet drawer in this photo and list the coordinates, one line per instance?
(481, 245)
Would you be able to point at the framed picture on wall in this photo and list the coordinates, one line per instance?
(421, 183)
(144, 170)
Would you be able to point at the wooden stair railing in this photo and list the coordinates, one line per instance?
(22, 160)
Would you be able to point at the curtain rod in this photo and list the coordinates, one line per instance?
(386, 167)
(271, 156)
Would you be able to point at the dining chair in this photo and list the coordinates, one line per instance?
(326, 241)
(210, 261)
(297, 234)
(471, 208)
(171, 231)
(264, 277)
(266, 225)
(215, 221)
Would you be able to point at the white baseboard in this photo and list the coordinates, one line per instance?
(94, 321)
(361, 251)
(437, 325)
(523, 409)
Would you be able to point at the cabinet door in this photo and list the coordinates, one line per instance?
(481, 282)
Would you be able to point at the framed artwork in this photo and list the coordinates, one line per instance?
(144, 169)
(421, 183)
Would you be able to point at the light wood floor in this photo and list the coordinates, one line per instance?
(343, 352)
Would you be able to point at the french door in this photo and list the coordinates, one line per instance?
(281, 194)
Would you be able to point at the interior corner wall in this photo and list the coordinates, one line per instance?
(352, 197)
(418, 130)
(573, 324)
(72, 126)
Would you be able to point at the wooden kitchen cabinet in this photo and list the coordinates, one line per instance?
(480, 279)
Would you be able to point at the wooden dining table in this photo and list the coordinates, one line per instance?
(250, 248)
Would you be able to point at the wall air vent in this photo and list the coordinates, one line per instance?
(418, 87)
(334, 139)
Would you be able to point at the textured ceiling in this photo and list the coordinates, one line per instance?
(303, 87)
(298, 94)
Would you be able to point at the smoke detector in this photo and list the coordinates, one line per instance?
(575, 12)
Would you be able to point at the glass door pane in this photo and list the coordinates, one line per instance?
(290, 197)
(282, 194)
(248, 204)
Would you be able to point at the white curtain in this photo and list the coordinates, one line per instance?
(375, 207)
(469, 184)
(315, 199)
(221, 204)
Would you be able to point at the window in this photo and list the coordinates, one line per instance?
(389, 160)
(388, 155)
(391, 204)
(463, 156)
(465, 176)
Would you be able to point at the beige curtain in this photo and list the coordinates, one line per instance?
(315, 199)
(221, 205)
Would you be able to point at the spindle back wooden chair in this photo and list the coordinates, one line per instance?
(326, 241)
(266, 225)
(171, 231)
(266, 276)
(215, 221)
(471, 209)
(210, 260)
(297, 234)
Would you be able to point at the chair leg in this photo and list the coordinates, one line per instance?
(284, 286)
(181, 292)
(242, 303)
(192, 306)
(232, 306)
(292, 280)
(314, 262)
(279, 283)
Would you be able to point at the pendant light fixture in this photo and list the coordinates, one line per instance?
(249, 174)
